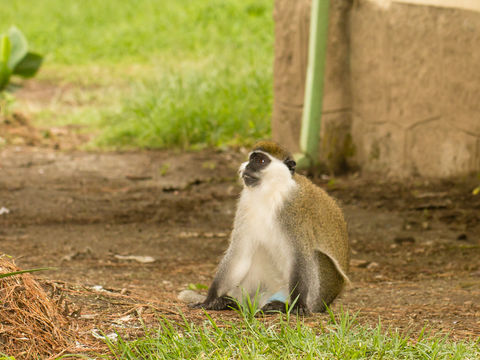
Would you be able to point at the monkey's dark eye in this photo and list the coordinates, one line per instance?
(259, 159)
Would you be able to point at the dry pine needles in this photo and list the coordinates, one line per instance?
(31, 325)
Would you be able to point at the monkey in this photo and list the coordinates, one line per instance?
(289, 243)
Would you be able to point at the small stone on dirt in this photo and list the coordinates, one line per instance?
(190, 297)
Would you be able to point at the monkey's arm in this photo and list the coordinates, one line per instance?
(214, 301)
(232, 270)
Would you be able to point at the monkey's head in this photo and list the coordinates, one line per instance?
(267, 162)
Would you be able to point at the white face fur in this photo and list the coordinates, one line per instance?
(262, 198)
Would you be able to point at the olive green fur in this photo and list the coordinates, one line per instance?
(274, 149)
(316, 225)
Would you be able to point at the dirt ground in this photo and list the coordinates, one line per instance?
(415, 244)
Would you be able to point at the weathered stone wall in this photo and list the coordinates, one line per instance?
(416, 85)
(402, 90)
(291, 52)
(290, 64)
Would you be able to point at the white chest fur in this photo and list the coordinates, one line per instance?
(266, 250)
(259, 215)
(259, 205)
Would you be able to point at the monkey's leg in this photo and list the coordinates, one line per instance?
(331, 282)
(299, 285)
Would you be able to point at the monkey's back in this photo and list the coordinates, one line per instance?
(318, 220)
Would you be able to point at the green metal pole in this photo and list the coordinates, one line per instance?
(312, 106)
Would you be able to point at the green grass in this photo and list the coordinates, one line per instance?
(190, 109)
(341, 338)
(184, 73)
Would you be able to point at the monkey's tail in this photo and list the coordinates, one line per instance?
(191, 297)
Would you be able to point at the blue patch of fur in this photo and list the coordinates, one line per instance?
(278, 296)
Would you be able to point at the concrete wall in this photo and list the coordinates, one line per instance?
(291, 51)
(402, 91)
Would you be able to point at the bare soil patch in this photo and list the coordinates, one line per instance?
(16, 129)
(415, 244)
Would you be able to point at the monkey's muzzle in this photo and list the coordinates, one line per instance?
(249, 178)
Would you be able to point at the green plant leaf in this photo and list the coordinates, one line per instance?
(19, 47)
(4, 75)
(197, 287)
(29, 65)
(21, 272)
(5, 48)
(476, 191)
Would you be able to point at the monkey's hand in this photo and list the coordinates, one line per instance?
(219, 303)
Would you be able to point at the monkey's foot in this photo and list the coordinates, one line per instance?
(280, 307)
(219, 303)
(301, 309)
(274, 306)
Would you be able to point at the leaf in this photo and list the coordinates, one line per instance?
(197, 287)
(4, 75)
(5, 48)
(21, 272)
(476, 191)
(29, 65)
(19, 47)
(332, 183)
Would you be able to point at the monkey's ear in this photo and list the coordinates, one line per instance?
(291, 164)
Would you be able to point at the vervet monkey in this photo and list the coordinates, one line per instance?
(289, 241)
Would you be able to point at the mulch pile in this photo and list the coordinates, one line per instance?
(48, 319)
(31, 323)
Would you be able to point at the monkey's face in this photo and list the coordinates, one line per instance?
(263, 168)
